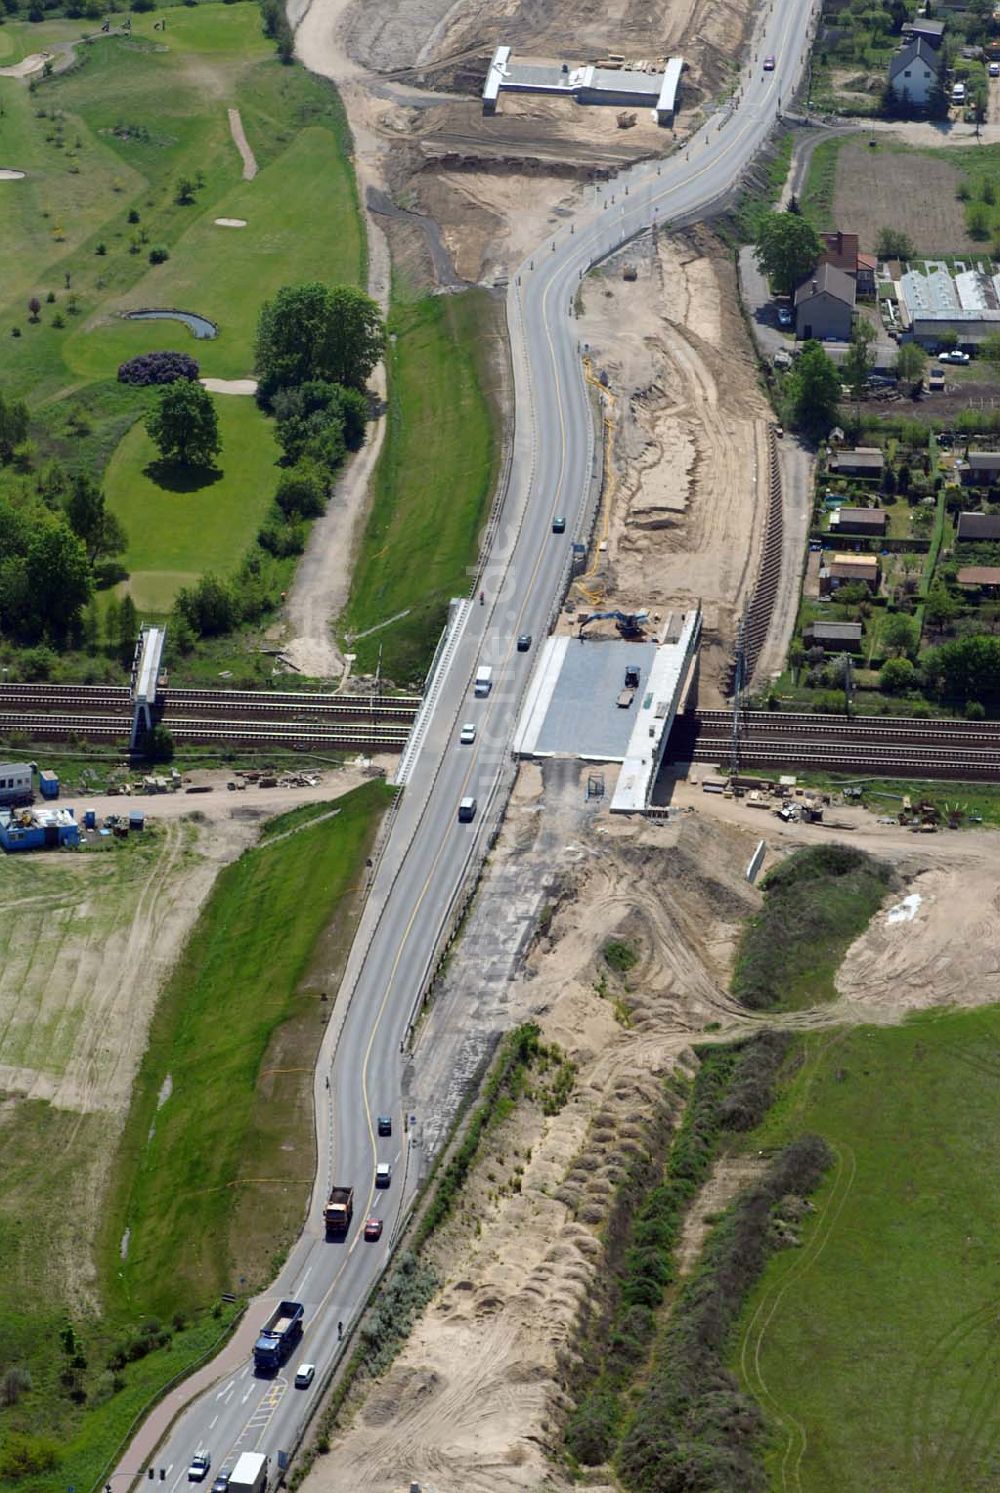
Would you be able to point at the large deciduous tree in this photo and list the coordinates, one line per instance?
(91, 521)
(331, 333)
(788, 247)
(185, 425)
(815, 391)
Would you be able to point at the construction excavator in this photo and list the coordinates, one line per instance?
(629, 624)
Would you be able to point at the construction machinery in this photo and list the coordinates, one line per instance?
(629, 624)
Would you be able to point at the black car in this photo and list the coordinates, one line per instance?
(524, 642)
(559, 524)
(385, 1124)
(221, 1483)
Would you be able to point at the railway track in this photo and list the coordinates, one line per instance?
(181, 703)
(888, 746)
(387, 736)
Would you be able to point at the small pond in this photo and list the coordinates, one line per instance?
(199, 325)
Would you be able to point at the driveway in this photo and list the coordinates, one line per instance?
(761, 308)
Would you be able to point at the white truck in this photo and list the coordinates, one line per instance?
(484, 680)
(250, 1474)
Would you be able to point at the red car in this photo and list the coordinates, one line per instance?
(373, 1229)
(769, 64)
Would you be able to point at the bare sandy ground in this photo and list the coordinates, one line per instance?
(26, 66)
(475, 1401)
(242, 145)
(229, 385)
(689, 452)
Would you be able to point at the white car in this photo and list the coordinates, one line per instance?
(468, 734)
(953, 357)
(200, 1463)
(995, 69)
(383, 1174)
(304, 1375)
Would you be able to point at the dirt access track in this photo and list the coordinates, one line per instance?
(476, 1401)
(687, 454)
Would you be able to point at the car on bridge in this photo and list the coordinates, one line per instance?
(383, 1174)
(200, 1463)
(304, 1375)
(468, 734)
(373, 1230)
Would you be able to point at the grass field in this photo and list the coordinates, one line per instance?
(433, 482)
(108, 142)
(175, 535)
(244, 975)
(873, 1348)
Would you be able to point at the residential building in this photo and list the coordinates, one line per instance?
(914, 72)
(985, 576)
(930, 31)
(870, 521)
(824, 305)
(935, 300)
(844, 570)
(973, 527)
(982, 469)
(866, 462)
(833, 637)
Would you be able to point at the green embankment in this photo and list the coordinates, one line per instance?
(873, 1348)
(108, 142)
(185, 1166)
(815, 904)
(434, 478)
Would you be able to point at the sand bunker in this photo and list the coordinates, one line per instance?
(6, 175)
(26, 66)
(229, 385)
(230, 222)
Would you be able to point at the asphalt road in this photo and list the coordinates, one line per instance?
(428, 851)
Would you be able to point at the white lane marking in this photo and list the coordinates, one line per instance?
(212, 1426)
(248, 1394)
(301, 1284)
(225, 1390)
(245, 1372)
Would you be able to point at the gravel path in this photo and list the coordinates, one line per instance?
(242, 145)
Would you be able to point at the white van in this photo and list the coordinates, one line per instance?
(467, 810)
(958, 94)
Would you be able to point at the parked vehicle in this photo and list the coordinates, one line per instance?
(304, 1375)
(250, 1474)
(484, 680)
(994, 69)
(338, 1210)
(200, 1463)
(278, 1337)
(785, 317)
(958, 93)
(373, 1230)
(954, 357)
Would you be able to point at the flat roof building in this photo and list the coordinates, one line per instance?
(979, 575)
(38, 829)
(835, 637)
(977, 526)
(862, 461)
(586, 83)
(859, 521)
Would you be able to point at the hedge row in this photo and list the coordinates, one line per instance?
(695, 1430)
(732, 1090)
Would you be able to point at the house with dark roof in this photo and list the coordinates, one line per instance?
(824, 305)
(977, 526)
(870, 521)
(932, 32)
(982, 469)
(833, 637)
(914, 72)
(864, 461)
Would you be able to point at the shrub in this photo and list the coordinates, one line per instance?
(620, 956)
(15, 1382)
(159, 254)
(302, 490)
(27, 1456)
(158, 368)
